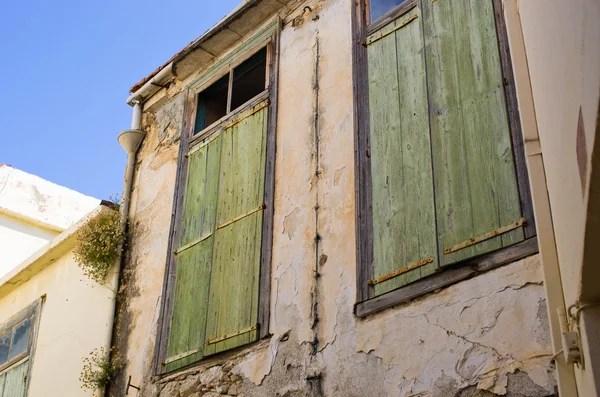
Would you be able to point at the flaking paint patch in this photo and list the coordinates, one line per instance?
(476, 332)
(289, 223)
(338, 176)
(259, 364)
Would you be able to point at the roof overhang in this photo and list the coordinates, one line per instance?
(46, 255)
(199, 53)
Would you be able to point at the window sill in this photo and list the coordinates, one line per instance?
(221, 358)
(448, 277)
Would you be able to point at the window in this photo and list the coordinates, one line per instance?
(378, 8)
(247, 81)
(442, 178)
(16, 343)
(217, 282)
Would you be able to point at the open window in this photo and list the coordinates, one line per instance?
(218, 274)
(232, 90)
(440, 151)
(378, 8)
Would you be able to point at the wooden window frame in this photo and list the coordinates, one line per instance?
(33, 312)
(366, 302)
(188, 139)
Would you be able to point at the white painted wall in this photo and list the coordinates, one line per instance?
(562, 41)
(74, 319)
(18, 240)
(32, 212)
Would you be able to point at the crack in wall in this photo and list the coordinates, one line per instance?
(317, 173)
(315, 379)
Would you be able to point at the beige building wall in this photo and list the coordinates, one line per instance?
(74, 317)
(564, 67)
(488, 334)
(32, 212)
(562, 43)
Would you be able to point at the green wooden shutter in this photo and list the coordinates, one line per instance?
(194, 255)
(14, 381)
(403, 204)
(476, 192)
(444, 186)
(215, 301)
(233, 302)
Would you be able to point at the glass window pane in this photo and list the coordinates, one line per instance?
(5, 347)
(380, 7)
(249, 79)
(212, 104)
(20, 338)
(16, 380)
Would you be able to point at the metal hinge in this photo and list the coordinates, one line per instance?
(242, 216)
(195, 242)
(205, 143)
(378, 36)
(232, 335)
(401, 271)
(486, 236)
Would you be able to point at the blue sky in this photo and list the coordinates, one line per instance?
(66, 69)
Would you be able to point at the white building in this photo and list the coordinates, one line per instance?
(32, 212)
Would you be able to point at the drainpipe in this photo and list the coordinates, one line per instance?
(151, 86)
(130, 140)
(555, 301)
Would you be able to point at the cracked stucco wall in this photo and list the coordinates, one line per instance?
(481, 337)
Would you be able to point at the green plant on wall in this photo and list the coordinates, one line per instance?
(99, 368)
(97, 246)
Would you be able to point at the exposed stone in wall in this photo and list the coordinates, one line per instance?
(430, 347)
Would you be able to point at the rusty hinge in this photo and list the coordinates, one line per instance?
(232, 335)
(401, 271)
(243, 116)
(241, 216)
(181, 355)
(378, 36)
(190, 245)
(486, 236)
(204, 143)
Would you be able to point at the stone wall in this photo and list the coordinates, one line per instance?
(481, 337)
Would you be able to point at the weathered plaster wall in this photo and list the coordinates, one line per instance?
(481, 337)
(32, 212)
(73, 322)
